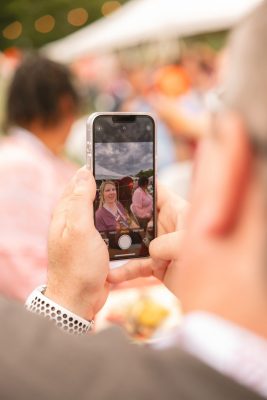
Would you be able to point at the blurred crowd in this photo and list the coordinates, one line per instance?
(175, 93)
(41, 106)
(43, 129)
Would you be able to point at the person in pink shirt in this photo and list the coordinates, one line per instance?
(142, 202)
(41, 107)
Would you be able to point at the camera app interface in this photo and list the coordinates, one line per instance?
(124, 170)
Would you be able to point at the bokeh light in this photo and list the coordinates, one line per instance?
(45, 24)
(13, 31)
(109, 7)
(77, 16)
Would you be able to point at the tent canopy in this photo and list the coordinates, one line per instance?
(103, 173)
(148, 20)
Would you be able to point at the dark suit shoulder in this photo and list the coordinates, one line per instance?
(40, 362)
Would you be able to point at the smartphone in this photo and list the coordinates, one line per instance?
(121, 152)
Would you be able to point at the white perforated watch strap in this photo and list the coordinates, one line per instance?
(38, 303)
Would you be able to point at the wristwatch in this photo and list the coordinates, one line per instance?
(69, 322)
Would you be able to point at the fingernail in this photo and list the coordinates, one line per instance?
(82, 175)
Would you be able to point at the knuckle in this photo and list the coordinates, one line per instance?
(77, 194)
(153, 247)
(76, 229)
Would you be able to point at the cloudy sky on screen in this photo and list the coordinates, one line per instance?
(125, 158)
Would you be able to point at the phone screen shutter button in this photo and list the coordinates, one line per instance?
(124, 242)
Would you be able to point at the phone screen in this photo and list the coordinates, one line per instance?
(124, 169)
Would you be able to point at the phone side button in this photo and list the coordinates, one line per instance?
(89, 148)
(89, 161)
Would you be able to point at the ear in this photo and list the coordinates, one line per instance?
(222, 177)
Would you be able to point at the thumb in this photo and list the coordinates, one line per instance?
(80, 209)
(75, 208)
(166, 247)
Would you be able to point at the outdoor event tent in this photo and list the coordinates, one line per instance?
(141, 21)
(103, 173)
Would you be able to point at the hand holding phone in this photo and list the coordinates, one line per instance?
(121, 154)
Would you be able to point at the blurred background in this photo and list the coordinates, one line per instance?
(160, 56)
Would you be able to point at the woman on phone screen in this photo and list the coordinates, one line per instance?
(111, 214)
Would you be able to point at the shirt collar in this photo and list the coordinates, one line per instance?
(31, 139)
(226, 347)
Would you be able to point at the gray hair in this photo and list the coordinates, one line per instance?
(246, 81)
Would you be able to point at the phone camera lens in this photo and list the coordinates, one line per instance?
(124, 128)
(148, 128)
(98, 128)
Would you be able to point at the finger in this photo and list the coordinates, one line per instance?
(135, 269)
(131, 270)
(76, 204)
(80, 209)
(166, 247)
(163, 194)
(58, 220)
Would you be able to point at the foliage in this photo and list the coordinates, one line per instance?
(214, 40)
(147, 173)
(28, 11)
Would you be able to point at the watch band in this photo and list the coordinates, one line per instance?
(69, 322)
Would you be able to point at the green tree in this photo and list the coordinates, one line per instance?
(27, 12)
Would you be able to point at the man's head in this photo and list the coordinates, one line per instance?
(224, 268)
(41, 96)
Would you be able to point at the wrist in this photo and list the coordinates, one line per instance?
(63, 318)
(74, 300)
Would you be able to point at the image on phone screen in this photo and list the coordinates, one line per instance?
(124, 169)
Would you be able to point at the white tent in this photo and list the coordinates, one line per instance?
(103, 173)
(148, 20)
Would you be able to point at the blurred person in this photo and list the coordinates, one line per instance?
(41, 106)
(140, 82)
(171, 80)
(111, 214)
(217, 268)
(187, 116)
(142, 202)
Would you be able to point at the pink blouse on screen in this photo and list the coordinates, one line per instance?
(142, 203)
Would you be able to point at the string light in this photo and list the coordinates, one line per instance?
(109, 7)
(13, 31)
(77, 16)
(45, 24)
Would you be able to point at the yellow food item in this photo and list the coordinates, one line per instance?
(148, 313)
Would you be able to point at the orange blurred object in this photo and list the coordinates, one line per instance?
(10, 59)
(172, 80)
(13, 52)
